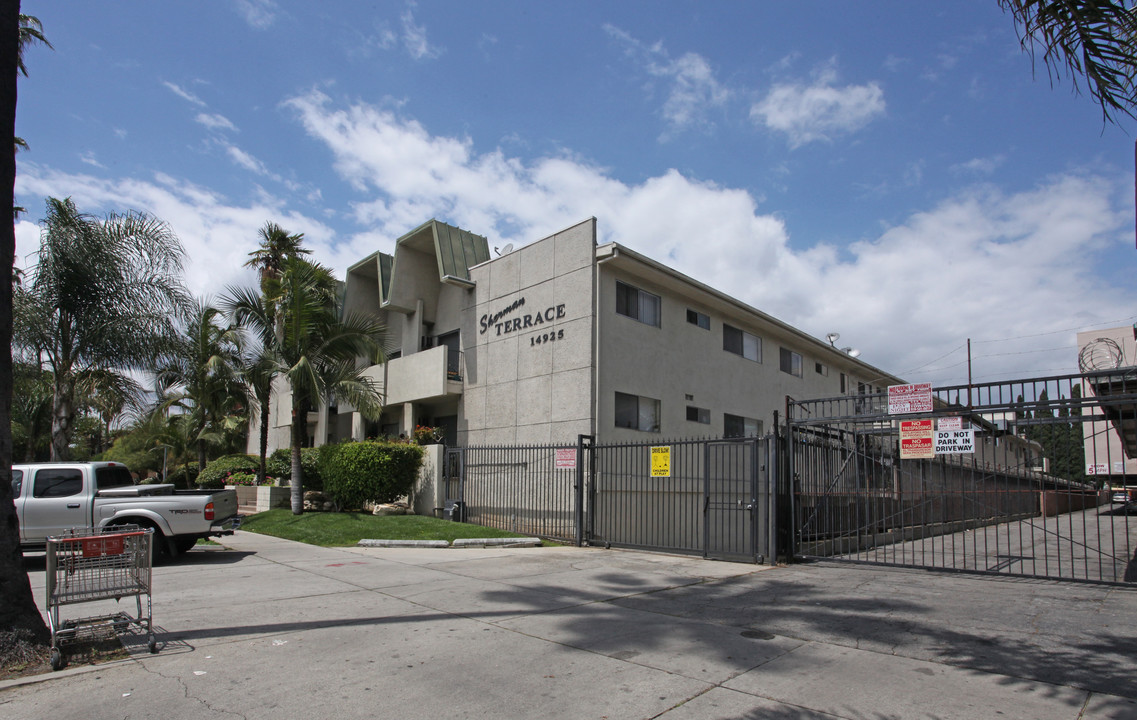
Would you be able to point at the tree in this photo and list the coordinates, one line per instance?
(277, 246)
(18, 613)
(1093, 39)
(103, 296)
(31, 33)
(313, 348)
(203, 370)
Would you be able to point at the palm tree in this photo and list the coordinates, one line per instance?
(312, 347)
(201, 374)
(108, 395)
(277, 246)
(20, 619)
(31, 32)
(1091, 38)
(105, 295)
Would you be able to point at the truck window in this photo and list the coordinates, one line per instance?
(17, 482)
(57, 482)
(112, 477)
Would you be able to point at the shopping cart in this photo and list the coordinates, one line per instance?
(89, 564)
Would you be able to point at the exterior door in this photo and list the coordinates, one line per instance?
(54, 500)
(730, 500)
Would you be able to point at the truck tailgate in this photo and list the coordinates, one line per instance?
(224, 504)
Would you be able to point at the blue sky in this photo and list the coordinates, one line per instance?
(897, 172)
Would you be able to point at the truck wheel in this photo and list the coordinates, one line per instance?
(56, 659)
(184, 544)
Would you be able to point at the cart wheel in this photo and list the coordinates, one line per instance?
(56, 659)
(152, 645)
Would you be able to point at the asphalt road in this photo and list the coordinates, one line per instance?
(272, 629)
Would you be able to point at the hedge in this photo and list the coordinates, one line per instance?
(216, 472)
(279, 465)
(359, 472)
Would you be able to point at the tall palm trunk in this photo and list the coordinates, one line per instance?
(17, 604)
(262, 470)
(62, 415)
(299, 433)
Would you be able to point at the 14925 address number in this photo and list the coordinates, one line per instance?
(546, 338)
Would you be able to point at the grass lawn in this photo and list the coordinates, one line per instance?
(330, 529)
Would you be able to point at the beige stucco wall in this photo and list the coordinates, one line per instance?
(680, 359)
(521, 387)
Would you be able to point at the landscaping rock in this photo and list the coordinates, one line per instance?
(318, 501)
(390, 509)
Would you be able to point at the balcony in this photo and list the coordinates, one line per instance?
(426, 375)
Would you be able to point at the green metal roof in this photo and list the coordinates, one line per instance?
(458, 250)
(386, 262)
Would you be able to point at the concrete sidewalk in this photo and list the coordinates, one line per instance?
(273, 629)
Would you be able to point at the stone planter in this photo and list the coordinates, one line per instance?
(262, 497)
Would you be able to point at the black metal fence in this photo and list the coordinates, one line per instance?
(1032, 496)
(710, 497)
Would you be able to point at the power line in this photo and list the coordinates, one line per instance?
(1110, 323)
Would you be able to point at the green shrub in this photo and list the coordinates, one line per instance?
(216, 473)
(359, 472)
(241, 478)
(184, 476)
(279, 465)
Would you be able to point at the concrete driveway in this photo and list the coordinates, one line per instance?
(267, 628)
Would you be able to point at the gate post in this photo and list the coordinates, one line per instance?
(582, 442)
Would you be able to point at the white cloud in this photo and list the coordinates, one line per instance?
(216, 233)
(819, 110)
(214, 121)
(979, 166)
(258, 13)
(983, 264)
(414, 39)
(692, 88)
(88, 158)
(246, 160)
(184, 94)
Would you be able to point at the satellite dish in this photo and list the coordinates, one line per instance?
(833, 337)
(851, 351)
(507, 249)
(1101, 354)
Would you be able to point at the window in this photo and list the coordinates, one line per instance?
(17, 482)
(637, 304)
(738, 426)
(637, 413)
(57, 482)
(844, 383)
(821, 369)
(791, 362)
(698, 414)
(697, 318)
(112, 477)
(741, 343)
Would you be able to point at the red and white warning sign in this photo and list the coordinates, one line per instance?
(916, 439)
(909, 398)
(915, 448)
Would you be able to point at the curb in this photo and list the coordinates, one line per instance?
(404, 543)
(459, 543)
(497, 542)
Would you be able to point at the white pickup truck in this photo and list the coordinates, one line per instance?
(52, 497)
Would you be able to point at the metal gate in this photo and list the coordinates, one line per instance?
(707, 497)
(1037, 488)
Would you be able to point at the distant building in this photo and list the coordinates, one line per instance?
(563, 337)
(1110, 443)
